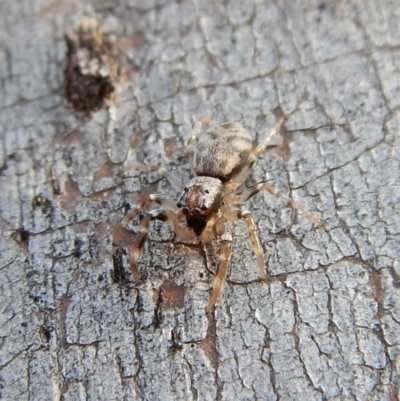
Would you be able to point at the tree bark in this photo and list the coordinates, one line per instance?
(88, 90)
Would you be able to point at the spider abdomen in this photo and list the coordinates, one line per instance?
(222, 151)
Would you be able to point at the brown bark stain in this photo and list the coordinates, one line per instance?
(173, 295)
(125, 45)
(308, 133)
(208, 345)
(170, 146)
(70, 196)
(283, 150)
(376, 285)
(72, 138)
(136, 42)
(65, 301)
(58, 8)
(100, 196)
(105, 171)
(136, 142)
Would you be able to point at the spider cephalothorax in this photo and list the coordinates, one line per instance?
(220, 160)
(201, 197)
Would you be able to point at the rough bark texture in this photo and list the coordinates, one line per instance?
(84, 92)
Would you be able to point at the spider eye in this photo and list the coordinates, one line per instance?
(179, 204)
(204, 207)
(207, 191)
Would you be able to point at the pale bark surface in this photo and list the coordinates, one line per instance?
(73, 325)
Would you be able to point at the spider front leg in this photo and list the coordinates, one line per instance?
(246, 195)
(141, 168)
(171, 216)
(163, 201)
(166, 216)
(224, 258)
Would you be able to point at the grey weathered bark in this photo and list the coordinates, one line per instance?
(73, 325)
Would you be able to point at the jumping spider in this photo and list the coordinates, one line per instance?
(220, 161)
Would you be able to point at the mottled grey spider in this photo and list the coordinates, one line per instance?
(220, 161)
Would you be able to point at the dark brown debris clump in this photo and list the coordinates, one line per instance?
(91, 67)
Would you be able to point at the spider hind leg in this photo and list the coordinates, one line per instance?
(239, 214)
(257, 150)
(246, 195)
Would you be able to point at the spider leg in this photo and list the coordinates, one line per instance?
(165, 202)
(241, 177)
(265, 141)
(175, 182)
(234, 215)
(246, 195)
(224, 258)
(141, 168)
(166, 216)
